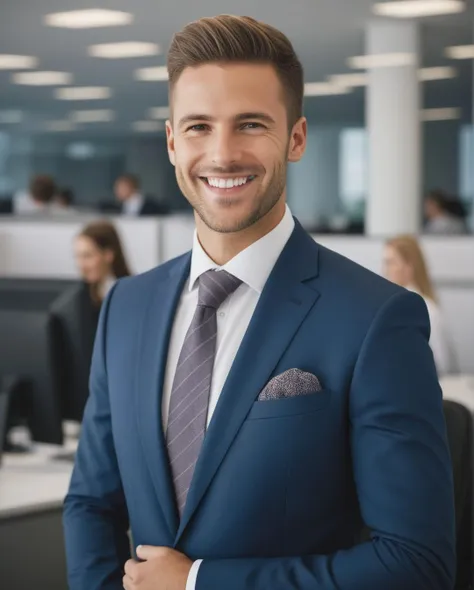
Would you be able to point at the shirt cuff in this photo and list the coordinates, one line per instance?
(193, 574)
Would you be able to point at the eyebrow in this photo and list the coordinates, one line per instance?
(240, 117)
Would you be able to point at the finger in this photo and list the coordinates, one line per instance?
(131, 569)
(146, 552)
(127, 583)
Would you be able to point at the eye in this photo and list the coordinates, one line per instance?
(252, 125)
(197, 127)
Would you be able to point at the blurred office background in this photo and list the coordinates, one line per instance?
(83, 103)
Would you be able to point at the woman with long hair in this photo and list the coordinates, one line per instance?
(405, 265)
(100, 258)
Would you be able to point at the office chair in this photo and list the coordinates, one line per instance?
(6, 385)
(459, 432)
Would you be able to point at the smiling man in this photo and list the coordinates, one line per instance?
(258, 402)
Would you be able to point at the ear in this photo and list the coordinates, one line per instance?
(297, 144)
(170, 142)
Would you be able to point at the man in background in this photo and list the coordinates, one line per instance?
(133, 202)
(39, 198)
(445, 215)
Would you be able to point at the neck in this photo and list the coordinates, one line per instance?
(222, 247)
(103, 283)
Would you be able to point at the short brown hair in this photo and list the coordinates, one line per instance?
(228, 38)
(131, 179)
(43, 188)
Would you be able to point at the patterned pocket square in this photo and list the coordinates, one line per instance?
(291, 383)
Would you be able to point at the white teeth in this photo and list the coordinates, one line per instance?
(227, 182)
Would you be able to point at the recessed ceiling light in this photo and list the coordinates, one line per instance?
(83, 93)
(424, 75)
(59, 126)
(159, 112)
(123, 50)
(447, 114)
(17, 62)
(418, 8)
(382, 60)
(88, 19)
(95, 116)
(440, 73)
(159, 73)
(145, 126)
(324, 89)
(460, 52)
(350, 80)
(80, 150)
(11, 117)
(42, 78)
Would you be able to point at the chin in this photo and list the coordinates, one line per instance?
(228, 223)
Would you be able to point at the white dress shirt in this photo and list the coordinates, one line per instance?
(440, 339)
(133, 205)
(253, 267)
(106, 285)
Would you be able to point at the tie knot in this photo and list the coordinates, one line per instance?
(215, 287)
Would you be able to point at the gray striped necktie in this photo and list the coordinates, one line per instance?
(192, 382)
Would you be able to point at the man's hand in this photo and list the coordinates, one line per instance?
(162, 569)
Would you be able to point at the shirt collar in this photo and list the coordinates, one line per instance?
(254, 264)
(134, 203)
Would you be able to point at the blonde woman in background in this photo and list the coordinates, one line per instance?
(405, 265)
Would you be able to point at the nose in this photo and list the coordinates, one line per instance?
(225, 149)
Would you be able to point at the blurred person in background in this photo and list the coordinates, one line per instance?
(39, 198)
(100, 259)
(64, 201)
(133, 202)
(445, 215)
(405, 265)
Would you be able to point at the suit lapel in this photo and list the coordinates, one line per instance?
(285, 302)
(155, 333)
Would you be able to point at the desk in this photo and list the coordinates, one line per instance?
(32, 490)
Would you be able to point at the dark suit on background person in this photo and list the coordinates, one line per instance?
(282, 488)
(152, 207)
(132, 202)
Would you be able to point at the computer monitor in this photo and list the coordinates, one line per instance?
(29, 350)
(77, 318)
(4, 407)
(6, 206)
(39, 291)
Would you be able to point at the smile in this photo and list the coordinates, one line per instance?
(227, 183)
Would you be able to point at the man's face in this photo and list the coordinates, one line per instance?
(432, 209)
(230, 143)
(123, 189)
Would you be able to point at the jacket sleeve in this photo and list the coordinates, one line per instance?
(95, 514)
(401, 468)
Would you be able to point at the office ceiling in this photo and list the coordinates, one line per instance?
(324, 32)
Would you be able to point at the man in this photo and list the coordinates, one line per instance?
(258, 402)
(133, 203)
(39, 199)
(444, 215)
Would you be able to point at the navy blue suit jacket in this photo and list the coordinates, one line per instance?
(282, 488)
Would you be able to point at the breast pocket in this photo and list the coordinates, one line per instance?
(290, 406)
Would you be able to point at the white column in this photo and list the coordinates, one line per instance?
(393, 122)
